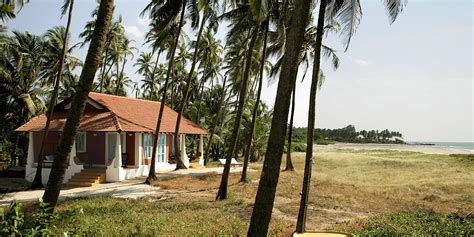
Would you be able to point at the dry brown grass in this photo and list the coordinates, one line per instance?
(350, 184)
(346, 185)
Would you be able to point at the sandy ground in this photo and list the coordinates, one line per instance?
(399, 147)
(133, 188)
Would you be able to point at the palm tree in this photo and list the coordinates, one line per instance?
(211, 50)
(116, 48)
(165, 12)
(306, 54)
(256, 106)
(125, 51)
(244, 19)
(348, 13)
(222, 193)
(8, 7)
(37, 181)
(271, 167)
(289, 164)
(91, 65)
(19, 72)
(144, 64)
(151, 83)
(159, 38)
(300, 225)
(216, 120)
(207, 10)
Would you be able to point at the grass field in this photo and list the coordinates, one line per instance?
(363, 192)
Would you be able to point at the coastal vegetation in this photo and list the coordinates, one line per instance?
(365, 192)
(218, 85)
(324, 136)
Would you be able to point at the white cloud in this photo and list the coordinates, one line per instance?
(134, 31)
(359, 61)
(144, 21)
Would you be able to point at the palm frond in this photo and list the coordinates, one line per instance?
(65, 7)
(28, 102)
(349, 17)
(321, 79)
(193, 13)
(394, 7)
(330, 53)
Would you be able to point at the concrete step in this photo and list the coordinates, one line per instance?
(89, 174)
(93, 171)
(195, 165)
(80, 184)
(85, 179)
(88, 177)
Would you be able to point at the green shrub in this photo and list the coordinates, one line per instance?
(6, 149)
(415, 224)
(14, 223)
(466, 156)
(296, 147)
(324, 142)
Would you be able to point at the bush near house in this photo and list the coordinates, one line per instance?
(14, 222)
(5, 154)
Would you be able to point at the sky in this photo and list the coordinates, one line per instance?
(414, 76)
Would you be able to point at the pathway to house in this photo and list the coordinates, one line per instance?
(133, 188)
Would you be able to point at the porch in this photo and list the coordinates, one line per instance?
(121, 155)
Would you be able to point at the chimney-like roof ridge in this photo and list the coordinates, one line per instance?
(125, 97)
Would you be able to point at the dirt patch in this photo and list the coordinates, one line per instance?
(13, 184)
(194, 183)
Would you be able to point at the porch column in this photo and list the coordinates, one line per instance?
(30, 170)
(138, 149)
(30, 160)
(118, 152)
(72, 154)
(184, 157)
(201, 149)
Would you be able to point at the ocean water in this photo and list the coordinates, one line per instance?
(461, 147)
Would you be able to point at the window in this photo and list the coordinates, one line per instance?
(81, 142)
(123, 142)
(160, 154)
(147, 145)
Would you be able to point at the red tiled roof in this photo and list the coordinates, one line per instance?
(121, 114)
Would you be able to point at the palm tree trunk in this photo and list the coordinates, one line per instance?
(37, 181)
(91, 64)
(289, 163)
(255, 109)
(214, 124)
(180, 165)
(263, 206)
(201, 90)
(152, 88)
(198, 112)
(301, 223)
(106, 84)
(199, 97)
(151, 175)
(222, 193)
(102, 74)
(117, 81)
(121, 75)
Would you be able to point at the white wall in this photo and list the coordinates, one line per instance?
(30, 170)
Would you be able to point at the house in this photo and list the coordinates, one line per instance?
(114, 140)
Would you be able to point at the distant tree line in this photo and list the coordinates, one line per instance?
(349, 134)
